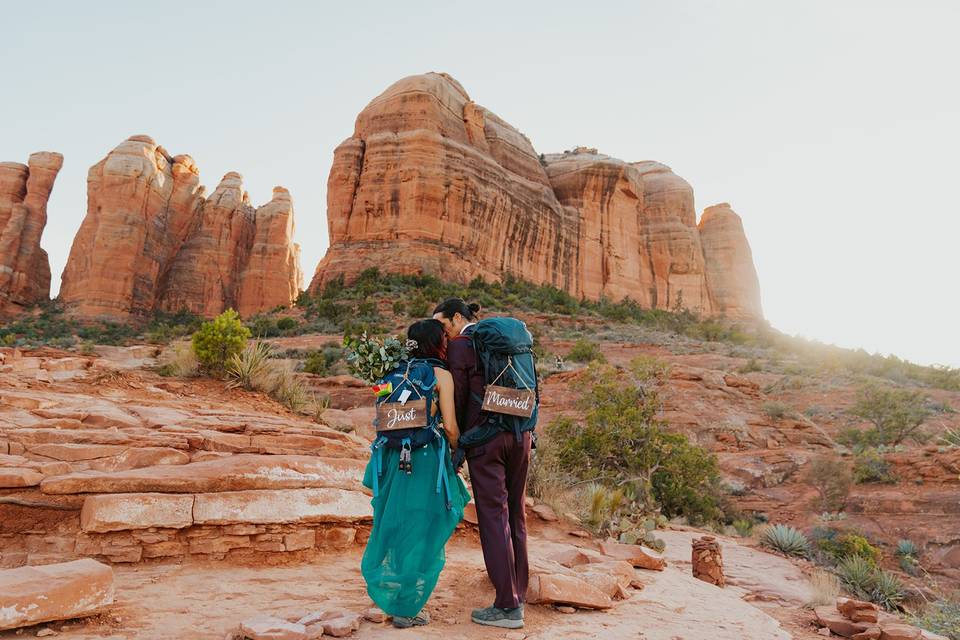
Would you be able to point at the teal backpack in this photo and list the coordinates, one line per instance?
(504, 348)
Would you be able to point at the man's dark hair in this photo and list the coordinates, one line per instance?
(431, 339)
(452, 306)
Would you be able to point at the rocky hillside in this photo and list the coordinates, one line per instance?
(431, 182)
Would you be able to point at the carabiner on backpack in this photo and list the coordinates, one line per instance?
(406, 459)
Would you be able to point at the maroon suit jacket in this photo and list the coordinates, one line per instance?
(468, 381)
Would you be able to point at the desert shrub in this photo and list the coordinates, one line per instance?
(907, 548)
(824, 588)
(322, 361)
(786, 540)
(263, 327)
(847, 545)
(399, 307)
(621, 444)
(776, 409)
(647, 369)
(287, 323)
(743, 527)
(218, 340)
(896, 414)
(940, 616)
(832, 479)
(869, 466)
(287, 389)
(584, 350)
(750, 366)
(418, 307)
(178, 360)
(950, 438)
(908, 556)
(248, 368)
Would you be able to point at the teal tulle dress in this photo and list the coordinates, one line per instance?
(411, 525)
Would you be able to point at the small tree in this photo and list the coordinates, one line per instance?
(218, 340)
(895, 413)
(832, 478)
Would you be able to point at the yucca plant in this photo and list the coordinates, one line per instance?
(907, 548)
(888, 591)
(950, 438)
(786, 540)
(248, 368)
(858, 576)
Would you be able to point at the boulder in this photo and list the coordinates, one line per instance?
(892, 631)
(31, 595)
(547, 588)
(858, 610)
(829, 617)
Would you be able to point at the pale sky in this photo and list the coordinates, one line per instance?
(832, 127)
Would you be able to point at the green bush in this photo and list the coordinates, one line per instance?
(869, 466)
(888, 590)
(218, 340)
(896, 414)
(847, 545)
(832, 479)
(322, 361)
(776, 409)
(621, 444)
(786, 540)
(287, 323)
(584, 350)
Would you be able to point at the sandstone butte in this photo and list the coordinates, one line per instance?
(431, 182)
(152, 241)
(24, 266)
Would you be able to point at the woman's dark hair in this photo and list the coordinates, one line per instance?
(452, 306)
(430, 337)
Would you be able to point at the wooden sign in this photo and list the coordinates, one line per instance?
(515, 402)
(393, 415)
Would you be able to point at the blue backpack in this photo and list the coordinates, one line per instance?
(405, 419)
(504, 348)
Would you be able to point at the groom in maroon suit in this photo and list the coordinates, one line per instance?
(498, 473)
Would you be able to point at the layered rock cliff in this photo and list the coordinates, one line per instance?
(24, 266)
(151, 241)
(431, 182)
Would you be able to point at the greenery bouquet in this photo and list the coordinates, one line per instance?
(370, 358)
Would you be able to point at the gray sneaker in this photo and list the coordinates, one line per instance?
(403, 622)
(497, 617)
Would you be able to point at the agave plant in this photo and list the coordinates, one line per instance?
(858, 576)
(888, 591)
(907, 548)
(248, 368)
(786, 540)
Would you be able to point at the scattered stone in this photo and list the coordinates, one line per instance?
(829, 617)
(873, 633)
(31, 595)
(633, 554)
(565, 609)
(45, 632)
(373, 614)
(707, 560)
(569, 557)
(858, 610)
(545, 588)
(265, 627)
(823, 631)
(899, 632)
(545, 513)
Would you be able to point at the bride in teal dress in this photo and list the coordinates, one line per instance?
(415, 513)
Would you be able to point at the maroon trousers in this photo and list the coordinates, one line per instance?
(498, 473)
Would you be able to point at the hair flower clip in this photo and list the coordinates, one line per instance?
(412, 344)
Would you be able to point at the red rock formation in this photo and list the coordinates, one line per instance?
(151, 241)
(731, 276)
(24, 266)
(430, 182)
